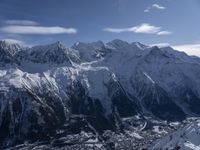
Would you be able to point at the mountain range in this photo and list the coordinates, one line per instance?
(50, 92)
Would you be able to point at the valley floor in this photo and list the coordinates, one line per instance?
(150, 135)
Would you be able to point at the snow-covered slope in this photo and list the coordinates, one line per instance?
(11, 48)
(91, 51)
(186, 138)
(8, 51)
(44, 86)
(55, 53)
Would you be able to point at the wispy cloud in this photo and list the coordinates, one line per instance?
(13, 41)
(146, 28)
(157, 6)
(160, 44)
(154, 6)
(32, 27)
(164, 33)
(191, 49)
(19, 29)
(21, 22)
(143, 28)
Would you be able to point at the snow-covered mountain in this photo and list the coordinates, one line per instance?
(55, 53)
(7, 52)
(43, 88)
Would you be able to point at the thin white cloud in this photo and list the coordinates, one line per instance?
(21, 22)
(18, 29)
(147, 9)
(161, 44)
(191, 49)
(12, 41)
(117, 30)
(155, 7)
(164, 33)
(146, 28)
(143, 28)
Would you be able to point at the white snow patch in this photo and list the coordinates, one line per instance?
(94, 142)
(149, 77)
(157, 129)
(191, 146)
(134, 134)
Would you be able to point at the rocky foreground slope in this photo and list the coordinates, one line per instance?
(94, 93)
(186, 138)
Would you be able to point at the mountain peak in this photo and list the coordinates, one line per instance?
(98, 44)
(11, 48)
(53, 53)
(94, 45)
(139, 45)
(156, 51)
(117, 43)
(90, 51)
(156, 54)
(58, 45)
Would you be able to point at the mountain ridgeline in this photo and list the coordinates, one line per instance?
(92, 87)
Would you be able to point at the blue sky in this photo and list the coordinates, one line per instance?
(174, 22)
